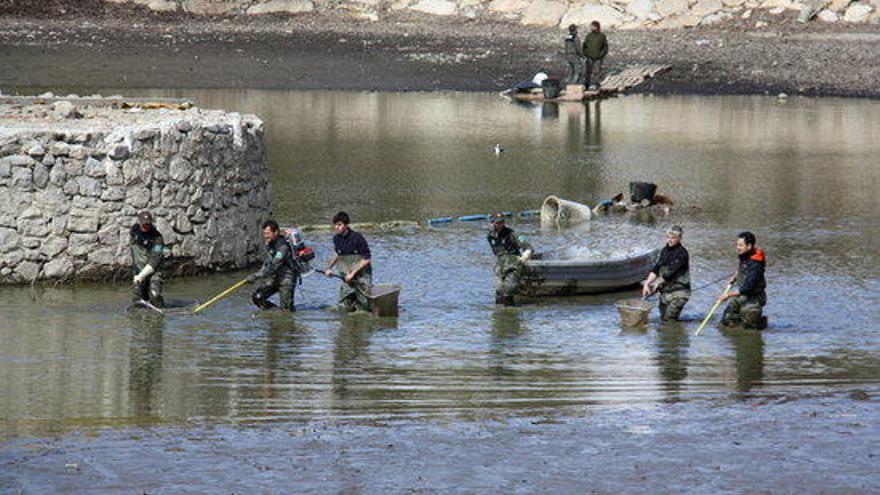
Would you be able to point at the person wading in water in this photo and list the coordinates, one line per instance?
(748, 299)
(279, 272)
(352, 256)
(511, 253)
(146, 260)
(671, 276)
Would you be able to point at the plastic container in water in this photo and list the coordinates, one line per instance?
(551, 87)
(634, 312)
(642, 190)
(383, 299)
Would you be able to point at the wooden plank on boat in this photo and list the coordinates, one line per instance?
(613, 84)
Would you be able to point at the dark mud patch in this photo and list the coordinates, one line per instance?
(808, 446)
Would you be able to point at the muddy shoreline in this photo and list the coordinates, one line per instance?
(411, 53)
(665, 448)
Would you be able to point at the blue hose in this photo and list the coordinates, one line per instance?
(473, 218)
(440, 220)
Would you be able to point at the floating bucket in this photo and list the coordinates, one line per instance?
(634, 312)
(557, 212)
(383, 299)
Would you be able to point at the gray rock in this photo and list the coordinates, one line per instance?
(543, 13)
(113, 193)
(9, 239)
(119, 152)
(281, 7)
(27, 271)
(180, 169)
(583, 14)
(41, 176)
(182, 224)
(826, 15)
(53, 247)
(435, 7)
(81, 244)
(71, 186)
(83, 221)
(137, 196)
(23, 179)
(36, 151)
(95, 168)
(59, 148)
(212, 7)
(66, 110)
(857, 12)
(58, 268)
(89, 186)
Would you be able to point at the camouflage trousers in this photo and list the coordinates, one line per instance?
(747, 311)
(508, 274)
(672, 303)
(150, 290)
(285, 287)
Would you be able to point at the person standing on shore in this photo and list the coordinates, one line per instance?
(279, 272)
(748, 299)
(574, 56)
(671, 276)
(146, 260)
(511, 253)
(352, 255)
(595, 49)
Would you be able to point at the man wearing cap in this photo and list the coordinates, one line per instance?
(279, 271)
(511, 253)
(671, 276)
(748, 298)
(146, 258)
(353, 258)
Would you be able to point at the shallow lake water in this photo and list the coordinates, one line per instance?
(802, 174)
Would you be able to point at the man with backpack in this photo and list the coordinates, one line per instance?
(280, 270)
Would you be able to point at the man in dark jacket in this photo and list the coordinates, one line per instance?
(279, 272)
(511, 254)
(574, 56)
(748, 298)
(351, 255)
(146, 260)
(595, 49)
(671, 276)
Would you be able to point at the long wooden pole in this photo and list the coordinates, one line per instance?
(712, 311)
(219, 296)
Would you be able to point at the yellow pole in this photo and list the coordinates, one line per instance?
(219, 296)
(711, 311)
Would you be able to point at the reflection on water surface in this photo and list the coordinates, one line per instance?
(802, 175)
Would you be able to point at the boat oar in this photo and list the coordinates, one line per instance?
(712, 311)
(219, 296)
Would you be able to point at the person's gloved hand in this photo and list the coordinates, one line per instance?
(251, 278)
(146, 272)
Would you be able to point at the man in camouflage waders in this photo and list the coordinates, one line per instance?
(279, 272)
(748, 298)
(511, 253)
(146, 260)
(671, 276)
(595, 48)
(353, 259)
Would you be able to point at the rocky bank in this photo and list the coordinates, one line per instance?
(74, 172)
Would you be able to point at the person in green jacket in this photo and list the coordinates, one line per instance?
(595, 49)
(147, 256)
